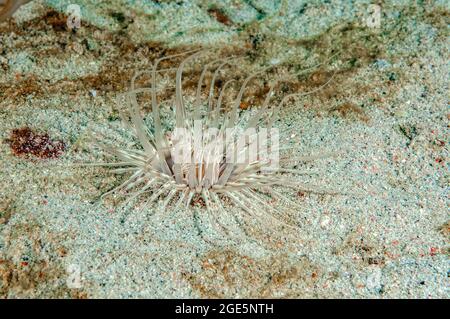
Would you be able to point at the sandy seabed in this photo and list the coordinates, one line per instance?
(385, 117)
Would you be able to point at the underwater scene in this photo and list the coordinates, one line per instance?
(267, 149)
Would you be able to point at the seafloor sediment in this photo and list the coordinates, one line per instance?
(385, 116)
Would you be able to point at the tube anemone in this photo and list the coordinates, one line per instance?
(214, 152)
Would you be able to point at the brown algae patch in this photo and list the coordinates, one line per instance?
(220, 16)
(350, 110)
(227, 274)
(6, 211)
(445, 230)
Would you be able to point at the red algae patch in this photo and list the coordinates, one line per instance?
(24, 141)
